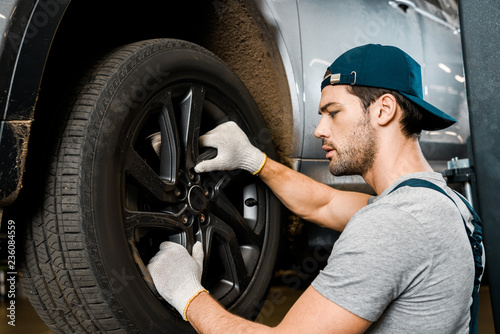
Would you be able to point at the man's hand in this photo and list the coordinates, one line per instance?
(234, 150)
(177, 275)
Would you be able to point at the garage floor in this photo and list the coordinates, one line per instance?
(279, 301)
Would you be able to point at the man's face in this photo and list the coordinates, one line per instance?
(348, 137)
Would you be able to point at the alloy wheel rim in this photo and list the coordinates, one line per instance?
(163, 198)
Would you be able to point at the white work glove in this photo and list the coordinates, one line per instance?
(234, 150)
(177, 275)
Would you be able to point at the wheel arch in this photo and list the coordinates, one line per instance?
(245, 41)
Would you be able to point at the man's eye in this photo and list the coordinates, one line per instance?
(333, 113)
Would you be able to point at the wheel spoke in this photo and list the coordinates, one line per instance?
(146, 178)
(226, 210)
(170, 148)
(222, 247)
(154, 220)
(191, 109)
(160, 227)
(143, 269)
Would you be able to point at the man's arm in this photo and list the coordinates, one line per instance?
(305, 197)
(312, 313)
(177, 277)
(312, 200)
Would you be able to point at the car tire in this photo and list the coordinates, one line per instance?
(121, 180)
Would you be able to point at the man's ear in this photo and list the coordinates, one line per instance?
(386, 109)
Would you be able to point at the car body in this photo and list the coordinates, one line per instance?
(279, 49)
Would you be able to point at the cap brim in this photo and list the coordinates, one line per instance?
(434, 118)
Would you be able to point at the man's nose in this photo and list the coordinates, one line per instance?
(321, 130)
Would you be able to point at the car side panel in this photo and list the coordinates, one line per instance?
(25, 47)
(13, 23)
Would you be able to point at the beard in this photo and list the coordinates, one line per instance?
(357, 155)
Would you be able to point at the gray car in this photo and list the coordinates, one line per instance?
(103, 104)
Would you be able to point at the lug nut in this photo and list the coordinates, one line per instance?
(209, 192)
(202, 218)
(185, 219)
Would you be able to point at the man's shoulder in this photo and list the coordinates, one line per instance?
(416, 212)
(385, 218)
(407, 209)
(419, 200)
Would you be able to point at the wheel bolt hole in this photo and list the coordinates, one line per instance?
(250, 202)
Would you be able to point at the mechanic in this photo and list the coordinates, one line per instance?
(403, 263)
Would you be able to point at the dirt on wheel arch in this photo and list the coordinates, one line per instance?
(240, 38)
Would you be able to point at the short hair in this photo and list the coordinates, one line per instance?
(412, 117)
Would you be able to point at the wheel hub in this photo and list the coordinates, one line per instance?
(196, 199)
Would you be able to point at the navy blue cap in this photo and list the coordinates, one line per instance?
(388, 67)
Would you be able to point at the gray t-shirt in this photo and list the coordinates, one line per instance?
(404, 262)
